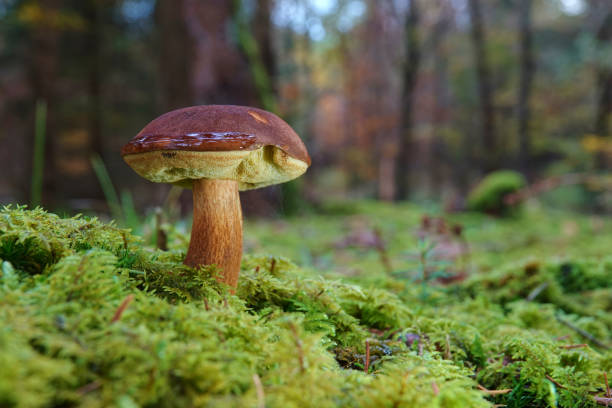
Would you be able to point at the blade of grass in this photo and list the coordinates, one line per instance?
(132, 220)
(38, 164)
(112, 199)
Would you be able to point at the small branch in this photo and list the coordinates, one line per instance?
(603, 401)
(493, 392)
(583, 333)
(608, 393)
(261, 397)
(128, 299)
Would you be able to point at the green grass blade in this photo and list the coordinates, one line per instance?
(112, 199)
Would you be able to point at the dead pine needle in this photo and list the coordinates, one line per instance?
(494, 392)
(535, 292)
(128, 299)
(583, 333)
(573, 346)
(259, 389)
(552, 380)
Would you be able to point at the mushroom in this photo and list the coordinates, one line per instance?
(217, 150)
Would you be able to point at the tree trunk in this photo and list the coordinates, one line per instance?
(439, 155)
(43, 67)
(487, 113)
(604, 82)
(526, 77)
(410, 72)
(175, 55)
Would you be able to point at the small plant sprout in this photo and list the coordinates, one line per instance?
(217, 150)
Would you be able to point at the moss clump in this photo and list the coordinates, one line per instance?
(89, 317)
(488, 196)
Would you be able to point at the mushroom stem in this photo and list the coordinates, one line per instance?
(216, 234)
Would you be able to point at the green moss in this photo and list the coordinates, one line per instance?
(90, 317)
(488, 195)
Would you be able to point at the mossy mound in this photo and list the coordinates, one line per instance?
(489, 195)
(89, 317)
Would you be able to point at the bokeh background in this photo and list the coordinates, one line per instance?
(395, 99)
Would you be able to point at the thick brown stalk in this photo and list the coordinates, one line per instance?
(216, 234)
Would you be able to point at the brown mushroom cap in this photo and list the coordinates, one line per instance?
(249, 145)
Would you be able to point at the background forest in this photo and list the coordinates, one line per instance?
(395, 99)
(363, 283)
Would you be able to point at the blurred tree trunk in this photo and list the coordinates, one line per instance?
(95, 77)
(487, 112)
(527, 68)
(409, 77)
(263, 33)
(604, 80)
(175, 55)
(43, 67)
(441, 98)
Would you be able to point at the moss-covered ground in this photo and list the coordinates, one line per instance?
(362, 305)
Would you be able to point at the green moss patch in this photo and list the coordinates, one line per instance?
(90, 317)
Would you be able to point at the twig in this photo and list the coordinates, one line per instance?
(493, 392)
(261, 397)
(206, 305)
(535, 292)
(552, 380)
(574, 346)
(583, 333)
(366, 367)
(122, 308)
(603, 401)
(608, 393)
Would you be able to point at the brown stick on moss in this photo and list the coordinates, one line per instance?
(216, 234)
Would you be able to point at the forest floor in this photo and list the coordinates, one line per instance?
(364, 304)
